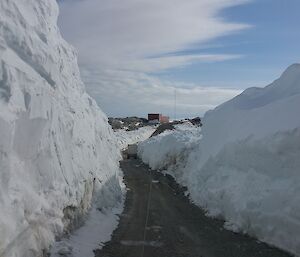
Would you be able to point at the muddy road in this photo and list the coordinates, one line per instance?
(159, 221)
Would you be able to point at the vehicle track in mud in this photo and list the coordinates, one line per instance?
(159, 221)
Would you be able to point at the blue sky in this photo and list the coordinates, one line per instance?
(134, 54)
(272, 44)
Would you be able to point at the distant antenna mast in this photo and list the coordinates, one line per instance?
(175, 103)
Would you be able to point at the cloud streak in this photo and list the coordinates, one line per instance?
(149, 94)
(128, 39)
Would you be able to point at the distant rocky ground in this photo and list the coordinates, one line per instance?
(128, 123)
(133, 123)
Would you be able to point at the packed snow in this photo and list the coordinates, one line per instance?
(125, 137)
(244, 167)
(58, 155)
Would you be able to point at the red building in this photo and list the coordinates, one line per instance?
(157, 117)
(164, 119)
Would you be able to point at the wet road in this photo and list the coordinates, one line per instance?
(159, 221)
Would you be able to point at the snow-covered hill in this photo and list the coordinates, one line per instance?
(56, 148)
(246, 166)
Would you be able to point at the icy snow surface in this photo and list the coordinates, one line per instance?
(246, 166)
(97, 230)
(57, 152)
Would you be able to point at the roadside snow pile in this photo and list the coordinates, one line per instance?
(169, 150)
(96, 231)
(246, 166)
(134, 136)
(57, 151)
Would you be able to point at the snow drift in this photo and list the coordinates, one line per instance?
(56, 148)
(246, 166)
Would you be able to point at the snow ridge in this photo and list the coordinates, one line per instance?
(57, 151)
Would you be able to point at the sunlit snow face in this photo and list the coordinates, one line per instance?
(131, 39)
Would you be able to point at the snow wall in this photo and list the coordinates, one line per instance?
(57, 151)
(245, 166)
(125, 138)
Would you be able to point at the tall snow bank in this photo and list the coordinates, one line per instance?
(257, 112)
(169, 150)
(134, 136)
(246, 166)
(56, 148)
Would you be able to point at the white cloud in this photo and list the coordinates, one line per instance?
(148, 94)
(168, 62)
(123, 40)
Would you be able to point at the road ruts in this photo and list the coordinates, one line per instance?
(159, 221)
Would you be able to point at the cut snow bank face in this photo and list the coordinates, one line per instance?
(246, 166)
(169, 150)
(56, 148)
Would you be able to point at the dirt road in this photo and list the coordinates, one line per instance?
(159, 221)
